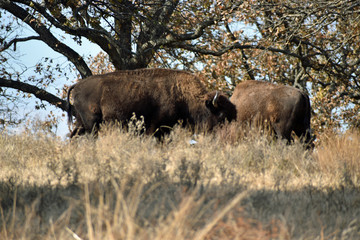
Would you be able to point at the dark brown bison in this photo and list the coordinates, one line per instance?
(284, 108)
(163, 97)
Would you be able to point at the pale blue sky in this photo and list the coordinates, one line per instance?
(30, 53)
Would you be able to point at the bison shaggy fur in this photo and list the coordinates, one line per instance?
(283, 108)
(163, 97)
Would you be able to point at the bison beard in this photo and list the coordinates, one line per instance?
(163, 97)
(284, 108)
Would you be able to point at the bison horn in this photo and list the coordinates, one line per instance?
(214, 101)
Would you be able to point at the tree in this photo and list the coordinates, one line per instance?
(310, 44)
(322, 38)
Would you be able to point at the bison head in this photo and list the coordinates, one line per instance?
(220, 106)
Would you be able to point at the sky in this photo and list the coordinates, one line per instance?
(30, 53)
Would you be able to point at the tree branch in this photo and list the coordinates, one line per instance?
(244, 58)
(37, 92)
(46, 36)
(172, 38)
(16, 40)
(96, 34)
(235, 45)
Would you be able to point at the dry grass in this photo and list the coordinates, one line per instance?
(123, 186)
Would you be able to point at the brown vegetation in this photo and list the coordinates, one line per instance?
(123, 186)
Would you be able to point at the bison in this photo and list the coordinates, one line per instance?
(284, 108)
(163, 97)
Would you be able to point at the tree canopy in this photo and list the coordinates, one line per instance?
(313, 45)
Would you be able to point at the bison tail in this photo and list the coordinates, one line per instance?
(69, 106)
(309, 137)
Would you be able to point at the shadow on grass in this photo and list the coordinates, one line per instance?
(37, 212)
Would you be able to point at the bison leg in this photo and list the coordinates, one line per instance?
(304, 133)
(78, 131)
(282, 130)
(90, 121)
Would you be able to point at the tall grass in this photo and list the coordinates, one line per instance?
(126, 186)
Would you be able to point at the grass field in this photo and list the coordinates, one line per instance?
(123, 186)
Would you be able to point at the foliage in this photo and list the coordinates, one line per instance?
(313, 45)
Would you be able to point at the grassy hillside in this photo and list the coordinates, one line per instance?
(122, 186)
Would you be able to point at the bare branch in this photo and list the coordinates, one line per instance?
(16, 40)
(244, 58)
(98, 35)
(37, 92)
(46, 36)
(235, 45)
